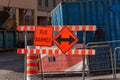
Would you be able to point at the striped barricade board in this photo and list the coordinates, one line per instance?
(51, 50)
(58, 28)
(46, 50)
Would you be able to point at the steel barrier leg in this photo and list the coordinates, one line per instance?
(41, 68)
(112, 64)
(84, 41)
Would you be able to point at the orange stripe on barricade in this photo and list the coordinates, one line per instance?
(57, 51)
(32, 28)
(31, 64)
(50, 51)
(25, 28)
(83, 52)
(91, 28)
(70, 27)
(31, 71)
(37, 51)
(43, 51)
(91, 52)
(84, 28)
(31, 57)
(19, 51)
(57, 28)
(25, 51)
(62, 26)
(19, 28)
(70, 52)
(76, 52)
(77, 28)
(31, 51)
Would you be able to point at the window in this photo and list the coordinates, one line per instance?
(54, 3)
(51, 59)
(46, 3)
(39, 2)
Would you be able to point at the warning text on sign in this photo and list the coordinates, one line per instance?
(43, 36)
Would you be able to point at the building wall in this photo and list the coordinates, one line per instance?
(44, 10)
(42, 4)
(24, 4)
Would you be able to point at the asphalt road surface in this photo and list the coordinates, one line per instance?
(11, 66)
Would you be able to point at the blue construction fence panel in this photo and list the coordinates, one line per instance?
(105, 14)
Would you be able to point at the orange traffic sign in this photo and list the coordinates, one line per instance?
(65, 39)
(43, 36)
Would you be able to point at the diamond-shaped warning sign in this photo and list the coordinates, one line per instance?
(65, 39)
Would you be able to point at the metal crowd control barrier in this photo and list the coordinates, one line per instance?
(104, 61)
(101, 63)
(117, 62)
(33, 52)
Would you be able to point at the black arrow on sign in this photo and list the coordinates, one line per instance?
(60, 39)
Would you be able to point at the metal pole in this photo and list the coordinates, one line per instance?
(112, 63)
(115, 63)
(17, 17)
(42, 75)
(103, 42)
(25, 33)
(35, 17)
(115, 68)
(84, 41)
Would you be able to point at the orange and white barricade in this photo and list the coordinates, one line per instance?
(58, 28)
(47, 50)
(31, 67)
(33, 51)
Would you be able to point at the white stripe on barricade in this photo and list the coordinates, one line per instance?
(32, 77)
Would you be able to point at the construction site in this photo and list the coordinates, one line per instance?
(59, 40)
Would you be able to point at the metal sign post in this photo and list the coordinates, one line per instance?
(84, 41)
(25, 33)
(41, 69)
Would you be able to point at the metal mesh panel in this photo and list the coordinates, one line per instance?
(101, 65)
(101, 60)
